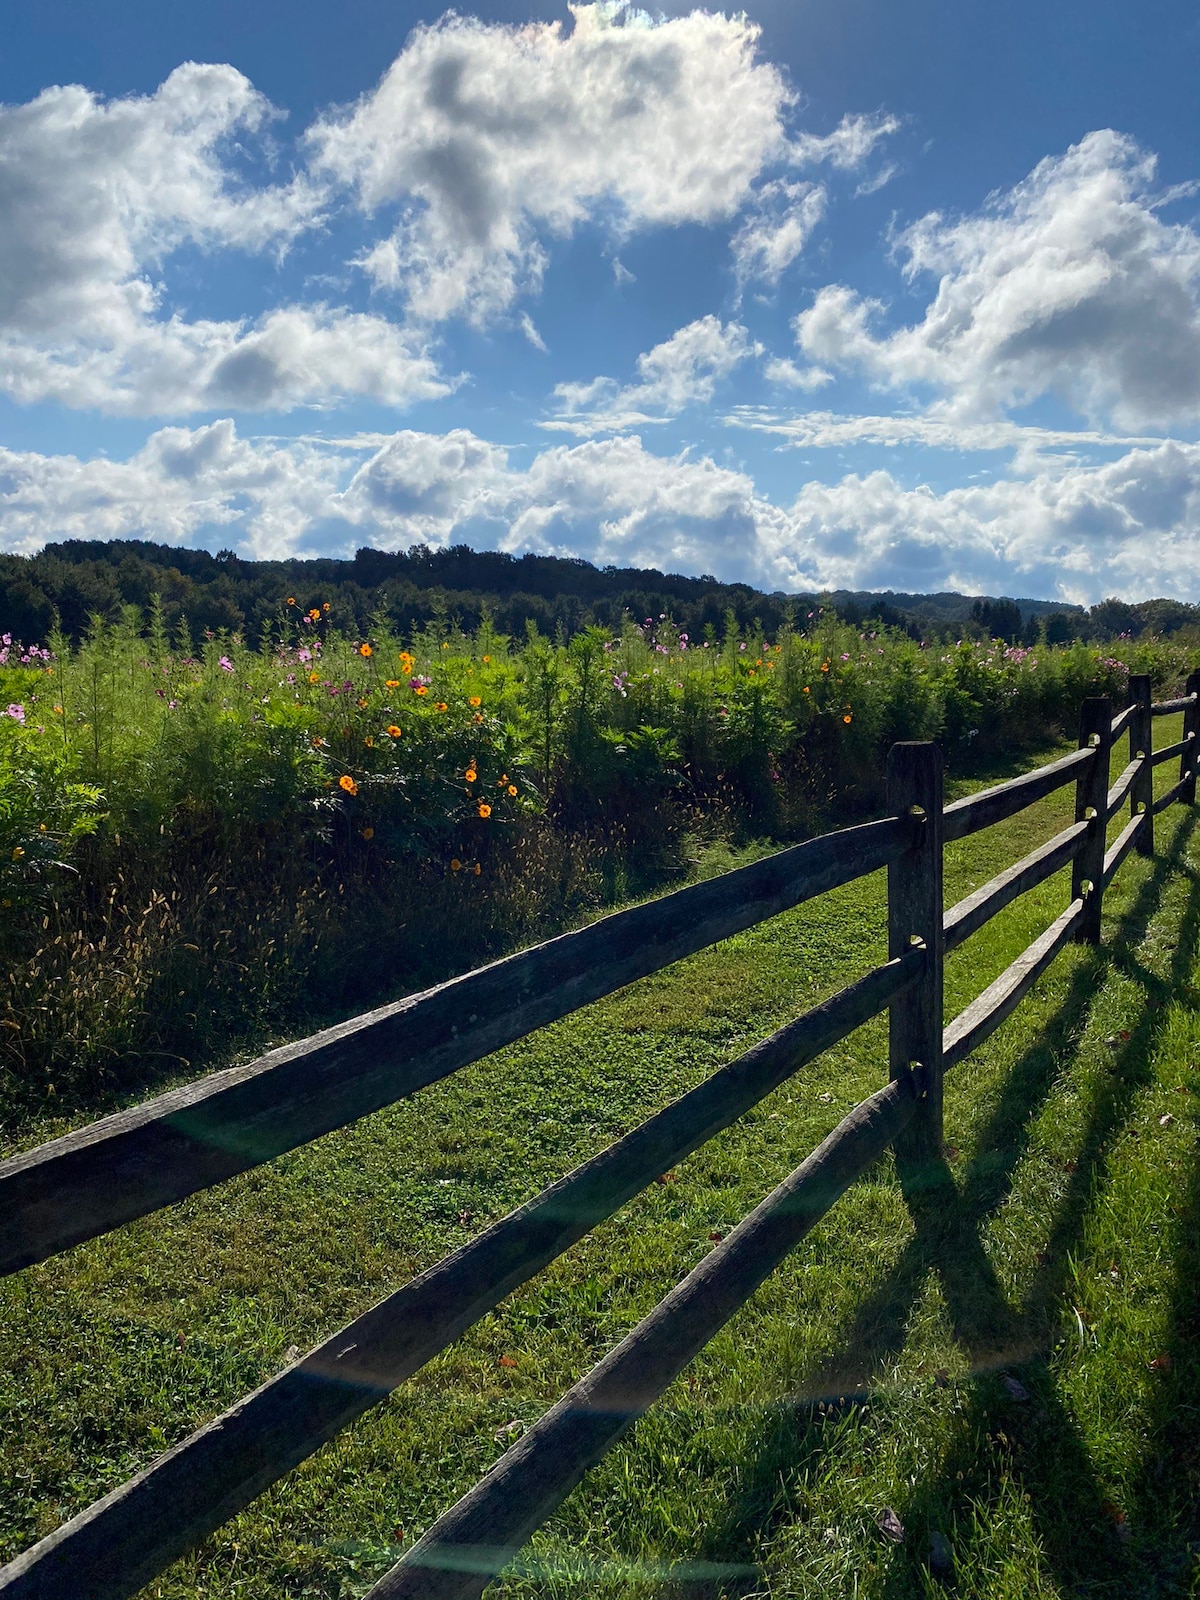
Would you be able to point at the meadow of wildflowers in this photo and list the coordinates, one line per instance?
(199, 841)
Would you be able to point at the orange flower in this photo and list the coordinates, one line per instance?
(478, 717)
(368, 833)
(478, 869)
(364, 650)
(485, 810)
(291, 599)
(314, 616)
(441, 706)
(391, 683)
(455, 865)
(512, 788)
(362, 705)
(406, 660)
(824, 666)
(317, 742)
(503, 779)
(470, 775)
(422, 688)
(807, 690)
(369, 742)
(314, 677)
(474, 700)
(393, 732)
(487, 661)
(325, 607)
(58, 711)
(847, 718)
(347, 783)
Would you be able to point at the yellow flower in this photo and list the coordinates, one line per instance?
(362, 705)
(393, 732)
(406, 660)
(58, 711)
(368, 833)
(441, 706)
(470, 775)
(369, 742)
(314, 677)
(317, 742)
(512, 788)
(484, 809)
(752, 673)
(314, 615)
(364, 650)
(847, 718)
(455, 865)
(474, 700)
(347, 783)
(421, 689)
(503, 779)
(445, 647)
(487, 661)
(291, 599)
(18, 852)
(325, 607)
(807, 690)
(391, 683)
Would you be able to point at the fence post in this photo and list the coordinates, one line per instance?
(1091, 802)
(1191, 725)
(914, 787)
(1141, 743)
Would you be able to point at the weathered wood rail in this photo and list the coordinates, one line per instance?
(138, 1161)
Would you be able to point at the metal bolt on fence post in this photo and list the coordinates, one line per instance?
(1191, 729)
(1141, 742)
(914, 787)
(1091, 802)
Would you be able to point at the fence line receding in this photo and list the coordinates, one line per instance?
(141, 1160)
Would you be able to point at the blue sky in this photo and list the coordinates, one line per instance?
(813, 296)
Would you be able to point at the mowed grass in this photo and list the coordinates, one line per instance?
(1060, 1249)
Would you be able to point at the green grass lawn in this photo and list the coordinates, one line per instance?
(1062, 1251)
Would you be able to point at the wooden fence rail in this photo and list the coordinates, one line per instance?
(141, 1160)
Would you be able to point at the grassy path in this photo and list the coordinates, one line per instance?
(1063, 1251)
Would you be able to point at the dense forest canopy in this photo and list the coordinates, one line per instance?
(68, 583)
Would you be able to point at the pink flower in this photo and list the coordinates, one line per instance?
(225, 664)
(17, 713)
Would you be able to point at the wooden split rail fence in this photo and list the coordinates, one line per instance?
(138, 1161)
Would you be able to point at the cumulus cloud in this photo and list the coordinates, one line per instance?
(484, 139)
(776, 229)
(96, 195)
(1070, 284)
(683, 370)
(1131, 525)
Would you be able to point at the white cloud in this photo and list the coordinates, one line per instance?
(850, 144)
(1069, 284)
(776, 230)
(1129, 526)
(488, 137)
(786, 373)
(683, 370)
(95, 197)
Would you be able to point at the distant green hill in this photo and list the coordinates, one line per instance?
(77, 579)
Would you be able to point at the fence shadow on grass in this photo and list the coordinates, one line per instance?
(1041, 1446)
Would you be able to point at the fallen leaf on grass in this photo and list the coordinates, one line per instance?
(1016, 1389)
(508, 1361)
(465, 1216)
(1162, 1363)
(825, 1099)
(716, 1237)
(890, 1526)
(942, 1378)
(1165, 1120)
(667, 1177)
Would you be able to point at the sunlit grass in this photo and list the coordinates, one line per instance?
(867, 1374)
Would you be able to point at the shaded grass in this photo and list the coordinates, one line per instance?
(1060, 1249)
